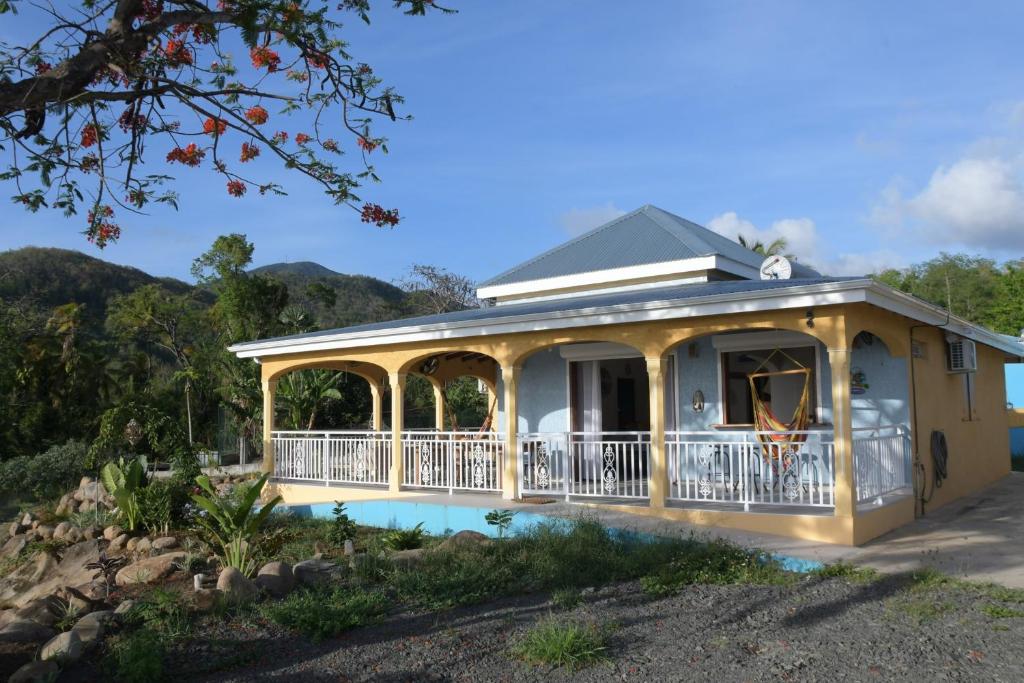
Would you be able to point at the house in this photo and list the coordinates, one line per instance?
(658, 367)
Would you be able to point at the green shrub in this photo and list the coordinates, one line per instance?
(459, 576)
(501, 519)
(47, 475)
(161, 505)
(136, 658)
(714, 562)
(234, 526)
(343, 527)
(373, 568)
(321, 614)
(100, 516)
(123, 479)
(404, 539)
(566, 598)
(162, 611)
(564, 644)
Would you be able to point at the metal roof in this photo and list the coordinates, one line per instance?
(646, 235)
(493, 313)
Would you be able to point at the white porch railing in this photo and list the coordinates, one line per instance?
(736, 467)
(453, 460)
(590, 464)
(344, 457)
(881, 461)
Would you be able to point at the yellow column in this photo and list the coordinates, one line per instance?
(269, 391)
(397, 382)
(658, 485)
(438, 405)
(377, 394)
(510, 474)
(845, 493)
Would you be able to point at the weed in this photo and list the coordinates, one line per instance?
(564, 644)
(924, 610)
(404, 539)
(1002, 612)
(99, 516)
(343, 527)
(136, 658)
(320, 614)
(162, 611)
(68, 614)
(850, 572)
(714, 562)
(566, 598)
(372, 568)
(502, 519)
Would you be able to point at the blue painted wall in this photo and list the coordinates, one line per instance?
(1015, 384)
(543, 394)
(885, 400)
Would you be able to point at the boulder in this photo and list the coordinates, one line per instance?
(89, 632)
(26, 519)
(36, 523)
(144, 545)
(206, 598)
(235, 586)
(124, 607)
(23, 580)
(25, 631)
(117, 545)
(14, 545)
(46, 575)
(85, 481)
(36, 672)
(91, 491)
(463, 539)
(62, 648)
(407, 558)
(43, 611)
(276, 578)
(91, 532)
(132, 544)
(165, 543)
(112, 532)
(45, 531)
(150, 569)
(74, 535)
(14, 529)
(317, 572)
(86, 506)
(103, 616)
(61, 530)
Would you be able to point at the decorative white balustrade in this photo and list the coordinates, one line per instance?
(333, 457)
(453, 460)
(791, 468)
(881, 461)
(588, 464)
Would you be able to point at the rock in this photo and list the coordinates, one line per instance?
(144, 545)
(276, 578)
(206, 598)
(117, 545)
(317, 572)
(74, 535)
(235, 586)
(150, 569)
(36, 672)
(14, 529)
(350, 548)
(165, 543)
(23, 580)
(85, 481)
(36, 523)
(131, 544)
(14, 545)
(64, 647)
(124, 607)
(90, 632)
(86, 506)
(61, 530)
(32, 536)
(26, 519)
(112, 532)
(46, 575)
(91, 532)
(103, 616)
(407, 558)
(45, 531)
(25, 631)
(91, 492)
(464, 539)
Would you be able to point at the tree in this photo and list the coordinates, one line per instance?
(964, 285)
(438, 290)
(171, 322)
(108, 86)
(777, 246)
(1007, 312)
(303, 393)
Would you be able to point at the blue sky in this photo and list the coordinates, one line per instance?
(870, 134)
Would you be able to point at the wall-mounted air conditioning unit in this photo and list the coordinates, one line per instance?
(962, 355)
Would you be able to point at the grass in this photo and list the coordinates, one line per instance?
(404, 539)
(567, 644)
(566, 598)
(164, 612)
(137, 657)
(320, 614)
(714, 562)
(1002, 612)
(847, 571)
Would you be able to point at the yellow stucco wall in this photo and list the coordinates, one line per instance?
(1016, 417)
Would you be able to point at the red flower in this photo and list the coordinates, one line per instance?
(43, 67)
(176, 53)
(364, 69)
(236, 188)
(257, 115)
(379, 216)
(318, 60)
(190, 156)
(101, 230)
(212, 126)
(130, 121)
(249, 152)
(280, 137)
(367, 145)
(90, 162)
(201, 34)
(264, 56)
(302, 138)
(151, 9)
(90, 135)
(330, 145)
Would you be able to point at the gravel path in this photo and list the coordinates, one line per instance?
(817, 630)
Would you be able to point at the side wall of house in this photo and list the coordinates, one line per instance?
(879, 387)
(543, 394)
(978, 443)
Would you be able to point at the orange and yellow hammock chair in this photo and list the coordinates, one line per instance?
(774, 434)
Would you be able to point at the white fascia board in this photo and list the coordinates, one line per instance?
(613, 275)
(701, 277)
(804, 296)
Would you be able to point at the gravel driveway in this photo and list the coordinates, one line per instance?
(817, 630)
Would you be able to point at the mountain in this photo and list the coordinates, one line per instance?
(358, 298)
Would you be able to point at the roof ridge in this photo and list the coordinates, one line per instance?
(659, 220)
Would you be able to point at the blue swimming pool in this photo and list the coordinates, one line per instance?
(445, 519)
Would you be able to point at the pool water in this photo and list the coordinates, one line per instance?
(446, 519)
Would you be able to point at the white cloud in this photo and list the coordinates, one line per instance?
(804, 241)
(578, 221)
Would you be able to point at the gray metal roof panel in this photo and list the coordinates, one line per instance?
(667, 294)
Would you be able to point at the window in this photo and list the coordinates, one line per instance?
(781, 393)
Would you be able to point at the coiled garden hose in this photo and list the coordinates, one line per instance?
(940, 467)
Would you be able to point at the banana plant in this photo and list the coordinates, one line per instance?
(234, 525)
(122, 480)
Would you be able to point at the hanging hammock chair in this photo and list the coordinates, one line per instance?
(775, 434)
(485, 427)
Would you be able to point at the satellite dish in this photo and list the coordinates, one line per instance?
(776, 268)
